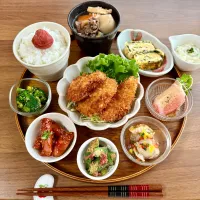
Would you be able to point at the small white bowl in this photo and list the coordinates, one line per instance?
(48, 72)
(126, 36)
(82, 150)
(71, 73)
(178, 40)
(33, 131)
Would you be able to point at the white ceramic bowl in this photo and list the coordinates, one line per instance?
(47, 72)
(33, 131)
(71, 73)
(82, 150)
(178, 40)
(126, 35)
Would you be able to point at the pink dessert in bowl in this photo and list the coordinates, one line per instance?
(169, 99)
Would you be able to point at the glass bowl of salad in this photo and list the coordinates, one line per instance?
(98, 158)
(145, 140)
(30, 96)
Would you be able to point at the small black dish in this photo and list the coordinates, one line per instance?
(93, 46)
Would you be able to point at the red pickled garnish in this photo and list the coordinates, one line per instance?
(42, 39)
(161, 68)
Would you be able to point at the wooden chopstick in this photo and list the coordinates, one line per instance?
(96, 194)
(138, 188)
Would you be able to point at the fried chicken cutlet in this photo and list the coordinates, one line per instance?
(121, 102)
(99, 99)
(82, 86)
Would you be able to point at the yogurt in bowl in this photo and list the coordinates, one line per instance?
(186, 51)
(189, 53)
(45, 59)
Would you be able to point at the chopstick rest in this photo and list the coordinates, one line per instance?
(45, 181)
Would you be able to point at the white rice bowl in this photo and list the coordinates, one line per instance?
(53, 70)
(35, 56)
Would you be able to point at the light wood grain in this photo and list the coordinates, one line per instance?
(180, 173)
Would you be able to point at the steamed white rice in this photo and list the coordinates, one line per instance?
(35, 56)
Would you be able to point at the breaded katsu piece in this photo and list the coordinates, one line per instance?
(82, 86)
(121, 102)
(99, 99)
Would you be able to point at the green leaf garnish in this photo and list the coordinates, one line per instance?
(186, 81)
(191, 50)
(114, 66)
(45, 135)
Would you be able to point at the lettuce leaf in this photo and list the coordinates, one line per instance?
(186, 81)
(114, 66)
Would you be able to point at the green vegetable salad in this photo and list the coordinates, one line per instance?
(98, 158)
(30, 99)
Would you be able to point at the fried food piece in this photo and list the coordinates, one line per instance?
(82, 86)
(121, 102)
(99, 99)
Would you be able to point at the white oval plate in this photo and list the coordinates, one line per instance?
(126, 36)
(71, 73)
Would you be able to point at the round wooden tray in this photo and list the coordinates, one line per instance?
(126, 169)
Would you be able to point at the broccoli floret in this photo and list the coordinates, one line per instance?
(26, 109)
(33, 104)
(41, 95)
(30, 99)
(19, 104)
(19, 90)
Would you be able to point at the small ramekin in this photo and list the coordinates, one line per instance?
(29, 82)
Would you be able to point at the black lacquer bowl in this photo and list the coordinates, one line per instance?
(93, 46)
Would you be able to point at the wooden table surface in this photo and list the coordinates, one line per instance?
(179, 173)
